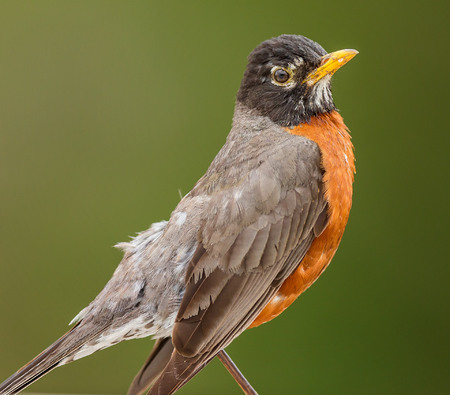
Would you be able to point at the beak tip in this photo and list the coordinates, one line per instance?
(350, 53)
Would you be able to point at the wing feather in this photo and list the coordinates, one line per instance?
(256, 234)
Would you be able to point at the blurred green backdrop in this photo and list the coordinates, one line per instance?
(108, 108)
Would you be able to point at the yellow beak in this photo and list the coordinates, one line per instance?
(330, 64)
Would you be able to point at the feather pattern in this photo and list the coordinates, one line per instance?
(245, 255)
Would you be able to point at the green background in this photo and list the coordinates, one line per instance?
(108, 108)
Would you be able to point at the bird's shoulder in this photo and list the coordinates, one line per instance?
(269, 151)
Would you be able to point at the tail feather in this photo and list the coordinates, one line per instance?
(153, 366)
(177, 373)
(47, 360)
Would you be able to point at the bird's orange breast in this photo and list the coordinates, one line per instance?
(333, 139)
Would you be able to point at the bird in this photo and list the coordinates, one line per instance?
(257, 229)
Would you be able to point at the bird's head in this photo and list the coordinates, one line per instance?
(288, 79)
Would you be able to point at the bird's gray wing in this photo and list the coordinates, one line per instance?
(256, 234)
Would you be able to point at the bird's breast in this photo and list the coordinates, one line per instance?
(333, 139)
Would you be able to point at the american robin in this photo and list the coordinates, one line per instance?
(255, 231)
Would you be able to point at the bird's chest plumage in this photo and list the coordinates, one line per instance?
(333, 139)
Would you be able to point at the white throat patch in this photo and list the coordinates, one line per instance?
(321, 93)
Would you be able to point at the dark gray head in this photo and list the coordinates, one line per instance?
(281, 82)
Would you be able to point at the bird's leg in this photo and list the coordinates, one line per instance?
(236, 373)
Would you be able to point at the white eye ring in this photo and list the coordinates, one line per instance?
(282, 76)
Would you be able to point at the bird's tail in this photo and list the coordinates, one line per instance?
(177, 373)
(59, 353)
(153, 366)
(165, 371)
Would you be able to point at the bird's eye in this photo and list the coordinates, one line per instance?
(281, 76)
